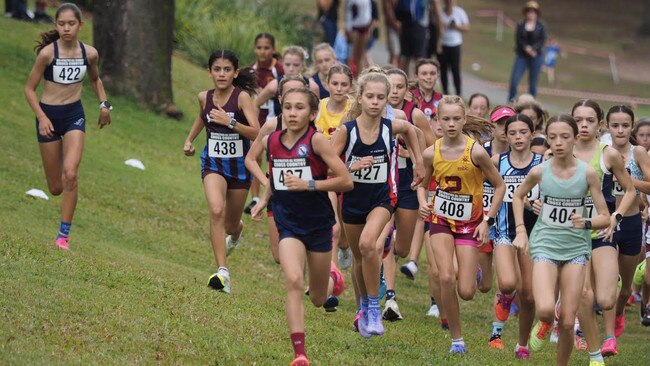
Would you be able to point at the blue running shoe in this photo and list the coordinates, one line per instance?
(375, 327)
(458, 349)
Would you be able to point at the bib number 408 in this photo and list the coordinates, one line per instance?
(452, 209)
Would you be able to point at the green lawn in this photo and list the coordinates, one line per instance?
(132, 290)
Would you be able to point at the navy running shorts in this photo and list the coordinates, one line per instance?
(64, 118)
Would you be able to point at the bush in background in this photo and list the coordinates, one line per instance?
(203, 26)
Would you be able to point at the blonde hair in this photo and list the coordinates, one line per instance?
(371, 74)
(296, 51)
(322, 47)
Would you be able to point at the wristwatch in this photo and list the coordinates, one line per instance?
(106, 104)
(587, 224)
(489, 220)
(233, 122)
(311, 185)
(618, 216)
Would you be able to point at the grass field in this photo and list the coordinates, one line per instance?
(132, 290)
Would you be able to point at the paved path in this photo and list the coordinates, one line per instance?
(498, 92)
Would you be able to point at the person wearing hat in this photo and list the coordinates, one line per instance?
(529, 49)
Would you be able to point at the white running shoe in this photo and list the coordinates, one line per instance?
(232, 244)
(554, 333)
(410, 269)
(434, 311)
(391, 311)
(220, 281)
(345, 258)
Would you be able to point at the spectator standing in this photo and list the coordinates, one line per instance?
(358, 19)
(455, 22)
(529, 49)
(414, 39)
(328, 16)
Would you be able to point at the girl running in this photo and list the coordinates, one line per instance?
(458, 225)
(535, 112)
(330, 114)
(299, 159)
(602, 269)
(559, 242)
(274, 124)
(63, 61)
(620, 122)
(367, 144)
(267, 68)
(406, 212)
(324, 58)
(228, 115)
(426, 98)
(293, 63)
(514, 268)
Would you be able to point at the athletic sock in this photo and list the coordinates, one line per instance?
(223, 270)
(364, 304)
(433, 301)
(373, 302)
(608, 337)
(298, 343)
(517, 346)
(256, 199)
(497, 328)
(390, 294)
(444, 322)
(596, 356)
(64, 230)
(458, 342)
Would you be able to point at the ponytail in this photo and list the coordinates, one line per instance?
(52, 35)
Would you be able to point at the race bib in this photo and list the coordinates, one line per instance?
(297, 167)
(617, 189)
(453, 206)
(225, 145)
(68, 71)
(488, 194)
(512, 183)
(558, 211)
(590, 208)
(377, 173)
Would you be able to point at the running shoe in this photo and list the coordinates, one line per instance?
(580, 342)
(391, 311)
(387, 242)
(502, 307)
(637, 297)
(539, 335)
(363, 325)
(382, 283)
(479, 275)
(434, 311)
(522, 353)
(496, 342)
(444, 324)
(339, 280)
(514, 309)
(232, 244)
(374, 325)
(220, 281)
(301, 360)
(619, 324)
(555, 335)
(646, 317)
(596, 363)
(630, 300)
(609, 347)
(410, 269)
(62, 243)
(330, 304)
(458, 349)
(345, 258)
(249, 207)
(597, 309)
(355, 323)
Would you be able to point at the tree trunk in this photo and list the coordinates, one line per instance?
(644, 30)
(135, 41)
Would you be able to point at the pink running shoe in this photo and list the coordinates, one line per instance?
(339, 280)
(619, 324)
(355, 323)
(522, 353)
(609, 347)
(62, 243)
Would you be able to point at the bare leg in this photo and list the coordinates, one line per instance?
(571, 283)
